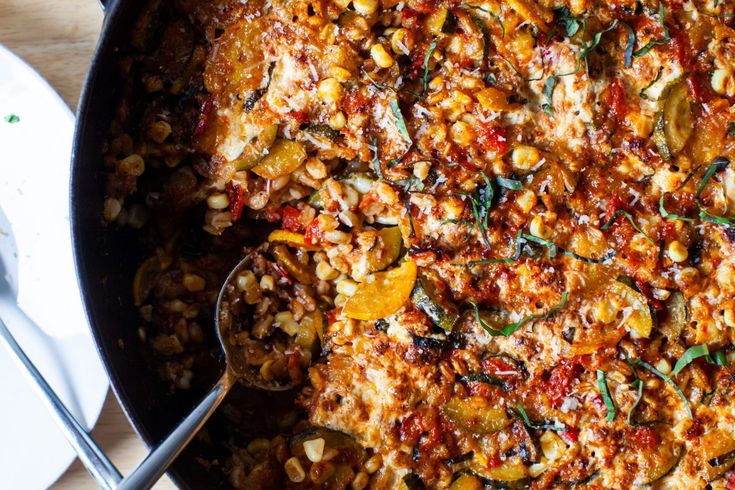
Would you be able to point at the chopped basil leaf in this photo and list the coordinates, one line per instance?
(587, 49)
(553, 249)
(718, 220)
(719, 358)
(534, 425)
(605, 392)
(513, 327)
(481, 202)
(407, 205)
(656, 79)
(12, 119)
(429, 52)
(666, 215)
(629, 418)
(717, 165)
(518, 251)
(668, 381)
(569, 22)
(548, 92)
(491, 14)
(514, 185)
(629, 46)
(518, 72)
(622, 212)
(690, 355)
(400, 122)
(656, 42)
(731, 128)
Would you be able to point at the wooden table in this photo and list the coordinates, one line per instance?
(58, 37)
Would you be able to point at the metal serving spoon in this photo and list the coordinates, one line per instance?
(101, 469)
(236, 370)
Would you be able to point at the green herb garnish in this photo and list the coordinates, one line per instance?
(656, 42)
(513, 327)
(656, 79)
(587, 49)
(519, 241)
(717, 165)
(430, 51)
(666, 215)
(622, 212)
(538, 426)
(12, 119)
(518, 72)
(731, 128)
(719, 358)
(481, 202)
(630, 45)
(637, 400)
(512, 184)
(548, 93)
(476, 377)
(668, 381)
(689, 356)
(602, 386)
(554, 248)
(491, 14)
(570, 23)
(400, 122)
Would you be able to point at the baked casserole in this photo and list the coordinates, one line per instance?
(492, 242)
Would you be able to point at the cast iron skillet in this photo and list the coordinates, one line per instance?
(106, 260)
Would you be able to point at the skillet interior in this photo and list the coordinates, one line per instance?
(106, 260)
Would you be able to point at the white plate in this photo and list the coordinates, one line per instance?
(34, 195)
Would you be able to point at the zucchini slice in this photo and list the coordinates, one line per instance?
(257, 149)
(658, 465)
(675, 122)
(426, 298)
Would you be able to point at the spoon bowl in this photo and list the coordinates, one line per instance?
(237, 370)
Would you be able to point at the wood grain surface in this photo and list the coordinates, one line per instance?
(58, 37)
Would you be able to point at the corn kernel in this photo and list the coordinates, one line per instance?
(374, 463)
(294, 470)
(287, 323)
(218, 201)
(526, 200)
(314, 449)
(729, 317)
(552, 445)
(538, 228)
(723, 81)
(267, 283)
(365, 7)
(677, 251)
(360, 481)
(664, 366)
(400, 42)
(330, 90)
(421, 169)
(346, 287)
(340, 300)
(316, 168)
(605, 311)
(194, 282)
(158, 131)
(132, 165)
(337, 121)
(340, 74)
(112, 209)
(436, 83)
(381, 56)
(536, 469)
(525, 157)
(325, 272)
(461, 133)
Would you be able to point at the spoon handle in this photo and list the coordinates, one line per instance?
(91, 456)
(157, 462)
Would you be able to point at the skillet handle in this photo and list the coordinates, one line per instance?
(147, 473)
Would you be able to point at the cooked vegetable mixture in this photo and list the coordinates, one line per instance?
(492, 241)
